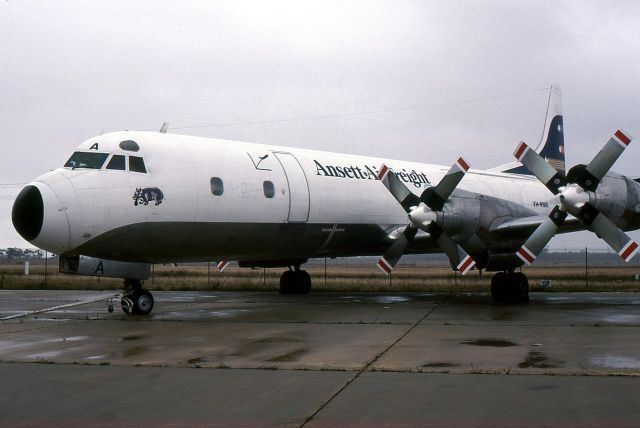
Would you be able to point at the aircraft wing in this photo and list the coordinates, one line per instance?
(524, 226)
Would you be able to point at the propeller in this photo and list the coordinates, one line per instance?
(575, 191)
(422, 212)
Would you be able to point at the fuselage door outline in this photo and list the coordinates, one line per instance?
(299, 195)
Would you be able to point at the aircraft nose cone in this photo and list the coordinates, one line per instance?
(40, 217)
(27, 214)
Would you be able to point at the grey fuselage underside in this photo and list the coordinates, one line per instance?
(160, 242)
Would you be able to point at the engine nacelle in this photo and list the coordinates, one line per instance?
(469, 217)
(618, 197)
(89, 266)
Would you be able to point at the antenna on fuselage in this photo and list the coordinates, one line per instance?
(164, 127)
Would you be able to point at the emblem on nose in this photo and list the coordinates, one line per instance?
(148, 194)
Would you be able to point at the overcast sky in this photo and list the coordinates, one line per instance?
(71, 70)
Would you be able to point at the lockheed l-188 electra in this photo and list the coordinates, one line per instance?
(126, 200)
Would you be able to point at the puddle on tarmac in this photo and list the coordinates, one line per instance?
(615, 361)
(228, 313)
(289, 356)
(135, 351)
(6, 345)
(131, 337)
(67, 339)
(558, 299)
(75, 338)
(277, 339)
(618, 318)
(539, 360)
(176, 298)
(40, 356)
(502, 316)
(390, 299)
(354, 299)
(496, 343)
(202, 313)
(266, 344)
(437, 365)
(97, 357)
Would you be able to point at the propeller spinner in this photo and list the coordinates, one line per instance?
(575, 191)
(422, 212)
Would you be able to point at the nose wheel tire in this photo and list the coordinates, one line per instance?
(140, 302)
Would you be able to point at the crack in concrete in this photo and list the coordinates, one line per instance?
(373, 361)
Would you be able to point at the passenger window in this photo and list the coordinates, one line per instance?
(136, 164)
(117, 162)
(269, 189)
(217, 187)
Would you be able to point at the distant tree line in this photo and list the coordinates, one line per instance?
(14, 255)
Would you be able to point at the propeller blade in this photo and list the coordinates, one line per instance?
(458, 257)
(590, 176)
(619, 241)
(539, 167)
(397, 249)
(541, 236)
(399, 191)
(435, 197)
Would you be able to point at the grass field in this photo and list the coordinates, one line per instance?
(338, 278)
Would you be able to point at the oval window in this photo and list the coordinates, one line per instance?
(217, 187)
(269, 189)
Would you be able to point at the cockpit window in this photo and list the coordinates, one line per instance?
(136, 164)
(86, 160)
(117, 162)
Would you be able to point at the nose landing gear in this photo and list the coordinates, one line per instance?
(135, 299)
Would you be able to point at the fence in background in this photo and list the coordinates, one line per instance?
(570, 269)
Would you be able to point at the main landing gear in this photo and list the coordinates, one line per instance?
(510, 287)
(135, 299)
(295, 281)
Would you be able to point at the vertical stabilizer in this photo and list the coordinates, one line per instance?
(551, 146)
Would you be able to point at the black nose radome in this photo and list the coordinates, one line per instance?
(28, 213)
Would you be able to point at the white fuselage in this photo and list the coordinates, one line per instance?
(328, 200)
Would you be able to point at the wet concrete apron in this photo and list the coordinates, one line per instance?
(322, 359)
